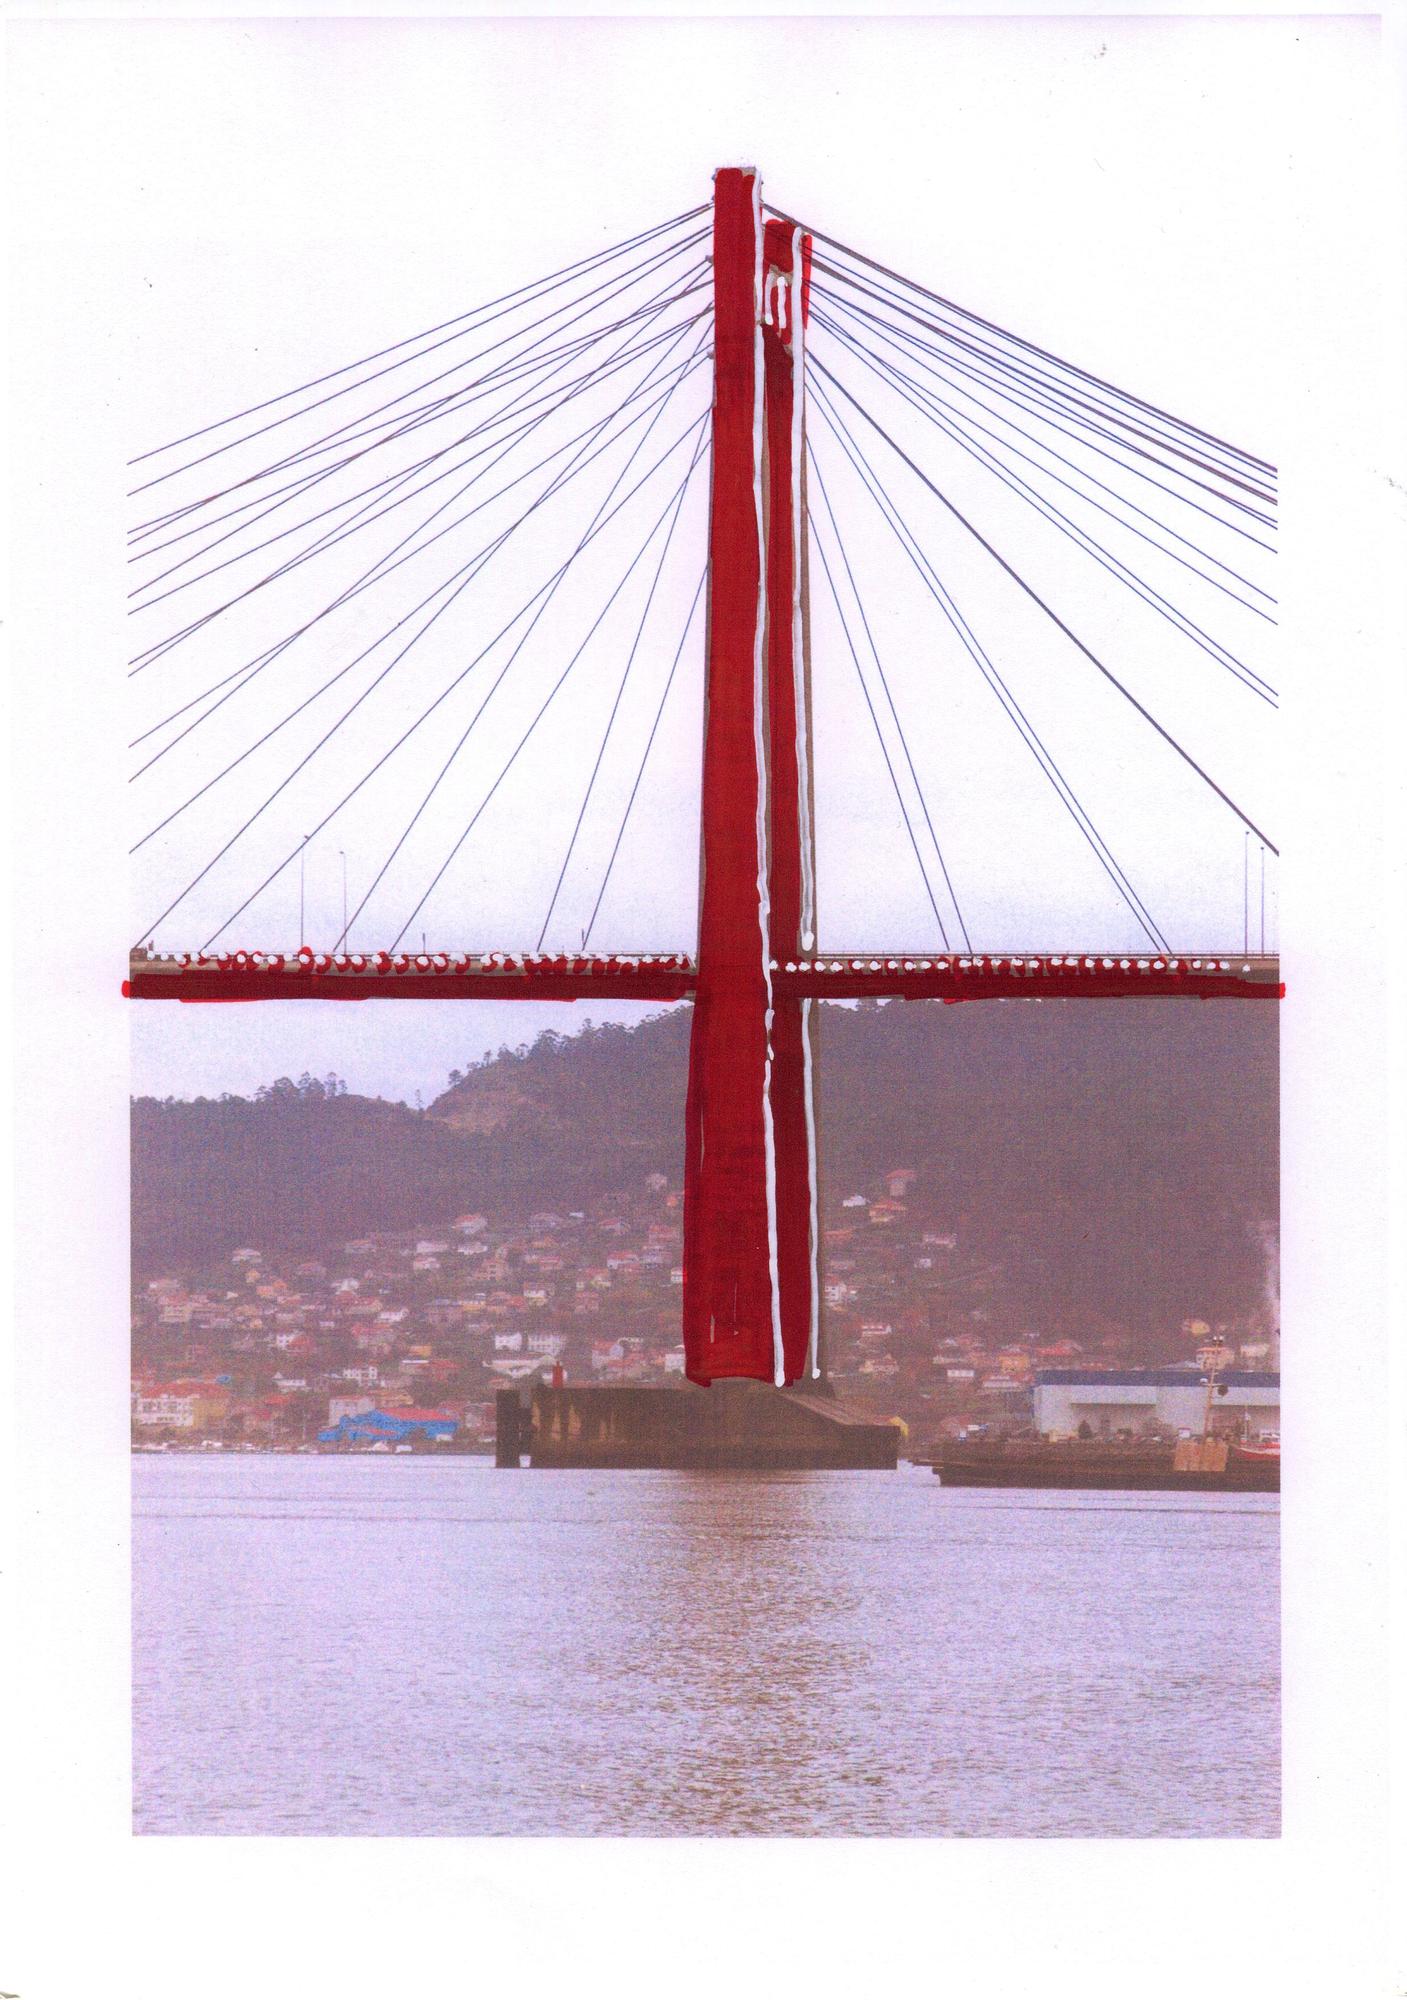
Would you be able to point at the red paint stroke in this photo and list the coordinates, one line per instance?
(727, 1276)
(788, 786)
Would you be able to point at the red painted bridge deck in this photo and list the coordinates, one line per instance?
(309, 975)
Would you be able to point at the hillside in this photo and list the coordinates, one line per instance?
(1111, 1158)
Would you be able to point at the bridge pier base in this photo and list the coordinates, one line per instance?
(734, 1426)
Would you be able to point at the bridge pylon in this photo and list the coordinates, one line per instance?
(751, 1283)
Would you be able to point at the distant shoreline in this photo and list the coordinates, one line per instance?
(298, 1451)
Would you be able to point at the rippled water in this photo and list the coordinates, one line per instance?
(374, 1646)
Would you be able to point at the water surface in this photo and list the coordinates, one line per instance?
(393, 1646)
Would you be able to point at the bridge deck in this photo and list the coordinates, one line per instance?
(535, 976)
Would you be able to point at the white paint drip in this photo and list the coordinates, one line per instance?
(798, 637)
(759, 694)
(812, 1190)
(774, 299)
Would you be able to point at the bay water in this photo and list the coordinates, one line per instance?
(414, 1646)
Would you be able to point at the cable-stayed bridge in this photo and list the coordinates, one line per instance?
(981, 644)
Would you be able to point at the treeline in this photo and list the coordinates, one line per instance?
(308, 1089)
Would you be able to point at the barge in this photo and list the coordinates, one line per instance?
(1077, 1465)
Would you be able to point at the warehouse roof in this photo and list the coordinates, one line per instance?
(1152, 1378)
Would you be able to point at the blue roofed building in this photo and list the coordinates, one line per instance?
(411, 1427)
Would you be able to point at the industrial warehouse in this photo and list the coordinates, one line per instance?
(1102, 1402)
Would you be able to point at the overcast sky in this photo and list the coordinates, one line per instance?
(253, 203)
(381, 1048)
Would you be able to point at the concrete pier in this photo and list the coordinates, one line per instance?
(738, 1426)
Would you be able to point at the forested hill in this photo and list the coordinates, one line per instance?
(1112, 1157)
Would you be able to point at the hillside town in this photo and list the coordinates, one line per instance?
(401, 1338)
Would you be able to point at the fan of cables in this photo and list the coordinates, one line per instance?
(516, 477)
(1048, 519)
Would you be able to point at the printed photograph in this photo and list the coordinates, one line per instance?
(704, 979)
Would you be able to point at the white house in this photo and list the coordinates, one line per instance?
(348, 1406)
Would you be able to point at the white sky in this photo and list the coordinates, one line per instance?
(255, 202)
(383, 1048)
